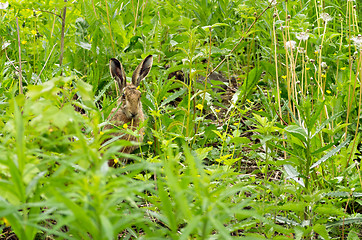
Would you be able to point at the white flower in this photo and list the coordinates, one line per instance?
(324, 65)
(301, 50)
(4, 5)
(302, 36)
(357, 41)
(273, 2)
(326, 17)
(290, 44)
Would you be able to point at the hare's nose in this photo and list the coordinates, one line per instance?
(133, 115)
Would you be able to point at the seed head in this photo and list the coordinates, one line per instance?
(290, 44)
(302, 36)
(326, 17)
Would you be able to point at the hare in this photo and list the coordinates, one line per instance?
(129, 107)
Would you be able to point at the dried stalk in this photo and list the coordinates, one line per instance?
(19, 46)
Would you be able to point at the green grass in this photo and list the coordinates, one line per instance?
(276, 157)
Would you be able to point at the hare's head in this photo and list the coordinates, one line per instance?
(130, 95)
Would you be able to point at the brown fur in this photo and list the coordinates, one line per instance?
(129, 107)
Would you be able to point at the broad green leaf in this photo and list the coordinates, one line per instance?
(294, 207)
(330, 210)
(352, 235)
(297, 131)
(293, 174)
(240, 140)
(345, 221)
(173, 96)
(321, 230)
(330, 154)
(203, 152)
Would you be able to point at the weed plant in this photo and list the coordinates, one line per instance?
(276, 156)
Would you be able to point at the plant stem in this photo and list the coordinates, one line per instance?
(36, 81)
(19, 47)
(62, 38)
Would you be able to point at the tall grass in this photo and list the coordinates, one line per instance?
(277, 156)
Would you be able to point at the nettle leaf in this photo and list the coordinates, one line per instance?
(329, 210)
(48, 89)
(64, 116)
(321, 230)
(203, 152)
(295, 207)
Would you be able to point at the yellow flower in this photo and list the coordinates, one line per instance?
(199, 106)
(248, 100)
(33, 32)
(217, 110)
(307, 69)
(149, 142)
(51, 129)
(115, 161)
(235, 124)
(138, 87)
(316, 52)
(343, 68)
(24, 42)
(284, 76)
(323, 76)
(101, 133)
(261, 110)
(125, 126)
(328, 91)
(6, 222)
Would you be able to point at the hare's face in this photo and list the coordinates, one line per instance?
(131, 97)
(131, 102)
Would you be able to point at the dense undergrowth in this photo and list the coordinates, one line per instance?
(273, 152)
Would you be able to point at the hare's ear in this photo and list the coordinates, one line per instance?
(142, 70)
(118, 73)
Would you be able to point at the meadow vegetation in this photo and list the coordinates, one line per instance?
(271, 149)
